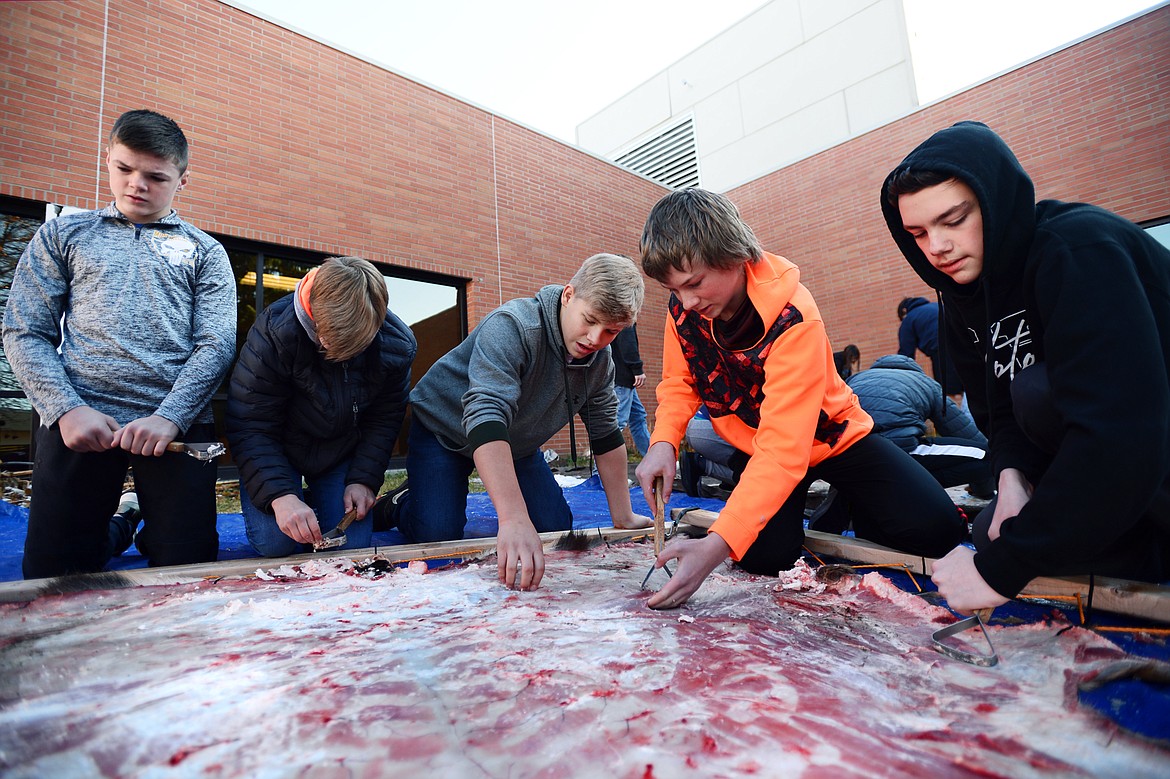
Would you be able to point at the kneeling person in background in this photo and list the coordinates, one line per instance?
(901, 398)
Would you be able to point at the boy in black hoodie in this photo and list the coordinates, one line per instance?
(1058, 318)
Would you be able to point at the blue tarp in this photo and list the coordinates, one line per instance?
(587, 501)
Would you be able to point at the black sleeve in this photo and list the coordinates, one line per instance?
(625, 348)
(1115, 451)
(258, 397)
(381, 421)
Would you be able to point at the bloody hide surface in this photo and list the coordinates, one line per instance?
(321, 672)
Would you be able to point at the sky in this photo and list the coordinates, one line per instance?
(551, 65)
(956, 43)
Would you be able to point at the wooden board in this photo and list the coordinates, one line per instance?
(1118, 596)
(469, 548)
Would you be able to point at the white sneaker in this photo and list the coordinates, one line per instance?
(129, 503)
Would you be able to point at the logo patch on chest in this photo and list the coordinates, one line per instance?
(177, 250)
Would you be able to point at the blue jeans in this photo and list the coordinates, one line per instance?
(326, 499)
(716, 452)
(435, 507)
(632, 412)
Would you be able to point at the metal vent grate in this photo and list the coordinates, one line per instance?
(669, 157)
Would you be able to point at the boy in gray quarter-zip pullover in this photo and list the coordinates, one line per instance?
(494, 400)
(120, 325)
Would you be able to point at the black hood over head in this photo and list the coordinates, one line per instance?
(972, 153)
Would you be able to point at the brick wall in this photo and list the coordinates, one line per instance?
(1089, 123)
(297, 144)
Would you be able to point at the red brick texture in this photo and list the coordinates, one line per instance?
(1089, 123)
(297, 144)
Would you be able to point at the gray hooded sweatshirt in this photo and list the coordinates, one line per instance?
(511, 379)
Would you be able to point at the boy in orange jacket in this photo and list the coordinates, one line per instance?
(745, 338)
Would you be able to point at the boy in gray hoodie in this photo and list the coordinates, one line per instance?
(494, 400)
(120, 325)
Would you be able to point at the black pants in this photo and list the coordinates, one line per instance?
(1136, 555)
(891, 500)
(76, 493)
(955, 461)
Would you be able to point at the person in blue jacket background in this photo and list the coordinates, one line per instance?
(902, 399)
(918, 331)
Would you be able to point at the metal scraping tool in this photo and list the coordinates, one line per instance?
(978, 619)
(336, 537)
(204, 452)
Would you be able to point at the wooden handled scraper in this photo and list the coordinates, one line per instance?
(204, 452)
(659, 529)
(336, 537)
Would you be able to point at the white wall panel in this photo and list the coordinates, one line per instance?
(880, 98)
(800, 135)
(718, 120)
(629, 118)
(767, 33)
(790, 80)
(819, 15)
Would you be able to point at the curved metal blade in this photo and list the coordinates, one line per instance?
(970, 657)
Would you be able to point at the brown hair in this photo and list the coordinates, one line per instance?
(907, 180)
(149, 132)
(692, 226)
(348, 300)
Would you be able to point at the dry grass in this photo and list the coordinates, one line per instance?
(17, 489)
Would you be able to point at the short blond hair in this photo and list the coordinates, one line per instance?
(612, 285)
(348, 300)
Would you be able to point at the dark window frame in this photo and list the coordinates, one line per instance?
(309, 257)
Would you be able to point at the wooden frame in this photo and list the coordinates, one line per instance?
(464, 549)
(1120, 596)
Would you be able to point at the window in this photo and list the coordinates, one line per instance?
(264, 274)
(432, 305)
(1160, 232)
(19, 220)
